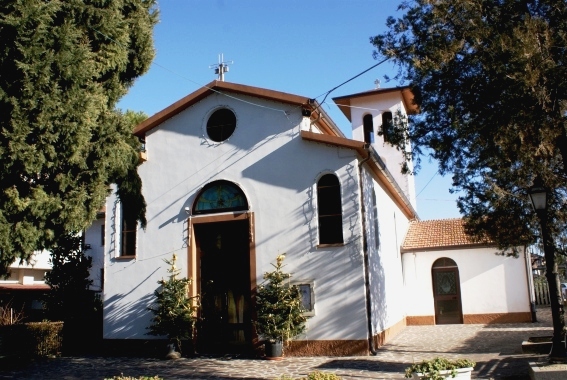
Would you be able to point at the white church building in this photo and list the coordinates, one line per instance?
(235, 175)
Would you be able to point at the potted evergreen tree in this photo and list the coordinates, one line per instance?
(175, 313)
(279, 310)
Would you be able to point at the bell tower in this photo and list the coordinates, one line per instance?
(373, 111)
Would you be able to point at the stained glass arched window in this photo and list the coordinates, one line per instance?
(220, 196)
(444, 262)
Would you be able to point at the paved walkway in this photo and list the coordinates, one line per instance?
(495, 348)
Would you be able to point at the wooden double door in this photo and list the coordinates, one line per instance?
(223, 253)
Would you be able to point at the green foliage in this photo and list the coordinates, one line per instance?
(70, 298)
(278, 305)
(122, 377)
(317, 375)
(63, 67)
(32, 340)
(175, 313)
(431, 368)
(490, 79)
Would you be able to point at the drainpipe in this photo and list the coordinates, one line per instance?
(366, 259)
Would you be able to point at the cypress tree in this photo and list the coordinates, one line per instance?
(63, 67)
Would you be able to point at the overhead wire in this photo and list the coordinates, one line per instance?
(351, 79)
(286, 113)
(192, 81)
(428, 182)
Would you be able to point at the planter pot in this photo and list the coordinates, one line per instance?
(273, 350)
(172, 353)
(462, 373)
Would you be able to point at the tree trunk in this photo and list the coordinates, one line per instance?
(558, 352)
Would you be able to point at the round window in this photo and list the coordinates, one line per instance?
(221, 125)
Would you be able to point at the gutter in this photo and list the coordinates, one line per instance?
(385, 178)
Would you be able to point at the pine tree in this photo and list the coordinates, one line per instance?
(491, 81)
(175, 313)
(63, 67)
(278, 305)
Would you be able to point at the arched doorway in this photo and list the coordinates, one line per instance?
(223, 260)
(446, 292)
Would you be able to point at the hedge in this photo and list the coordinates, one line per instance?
(31, 340)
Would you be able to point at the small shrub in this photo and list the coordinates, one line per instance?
(33, 340)
(317, 375)
(321, 376)
(175, 312)
(278, 305)
(122, 377)
(45, 338)
(431, 368)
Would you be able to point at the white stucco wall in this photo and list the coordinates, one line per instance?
(385, 274)
(29, 273)
(39, 260)
(277, 171)
(490, 283)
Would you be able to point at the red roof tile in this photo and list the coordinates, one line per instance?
(438, 234)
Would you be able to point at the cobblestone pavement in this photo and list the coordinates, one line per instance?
(496, 349)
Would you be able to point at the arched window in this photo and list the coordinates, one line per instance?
(220, 196)
(329, 206)
(368, 126)
(444, 262)
(221, 125)
(387, 125)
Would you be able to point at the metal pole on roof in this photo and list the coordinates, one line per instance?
(221, 67)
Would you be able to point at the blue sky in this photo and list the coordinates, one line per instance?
(304, 47)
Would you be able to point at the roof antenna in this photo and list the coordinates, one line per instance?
(221, 67)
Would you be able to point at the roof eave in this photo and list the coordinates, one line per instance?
(446, 247)
(384, 177)
(344, 102)
(220, 86)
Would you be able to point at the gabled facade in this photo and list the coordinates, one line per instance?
(235, 175)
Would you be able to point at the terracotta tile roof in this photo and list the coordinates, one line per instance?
(438, 234)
